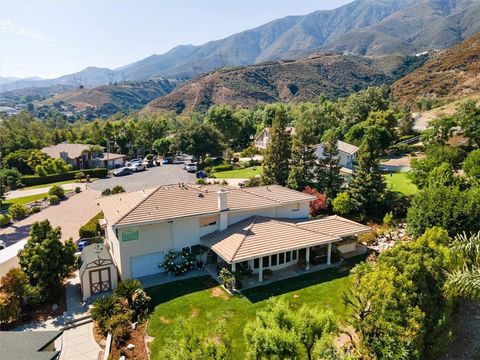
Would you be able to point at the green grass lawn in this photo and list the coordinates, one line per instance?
(23, 200)
(245, 173)
(401, 183)
(206, 305)
(54, 183)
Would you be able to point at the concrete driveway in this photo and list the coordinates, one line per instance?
(70, 215)
(155, 176)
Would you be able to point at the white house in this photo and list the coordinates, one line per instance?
(239, 226)
(262, 139)
(9, 258)
(346, 152)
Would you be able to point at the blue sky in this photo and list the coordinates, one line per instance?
(49, 38)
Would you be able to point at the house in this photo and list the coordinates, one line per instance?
(9, 258)
(262, 139)
(347, 154)
(28, 345)
(79, 156)
(238, 226)
(97, 271)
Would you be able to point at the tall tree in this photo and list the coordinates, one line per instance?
(327, 172)
(303, 156)
(468, 117)
(198, 140)
(223, 119)
(277, 155)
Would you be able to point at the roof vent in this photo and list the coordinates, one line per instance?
(200, 195)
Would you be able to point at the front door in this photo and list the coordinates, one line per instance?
(100, 280)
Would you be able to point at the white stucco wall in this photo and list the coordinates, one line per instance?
(346, 160)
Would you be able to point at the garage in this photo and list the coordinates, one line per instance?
(146, 264)
(98, 273)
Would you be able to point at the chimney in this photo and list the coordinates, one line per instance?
(222, 200)
(222, 207)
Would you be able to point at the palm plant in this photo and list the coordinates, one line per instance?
(465, 281)
(103, 309)
(127, 288)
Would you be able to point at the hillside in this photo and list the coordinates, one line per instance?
(332, 75)
(364, 27)
(109, 99)
(451, 73)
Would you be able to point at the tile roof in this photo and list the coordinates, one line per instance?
(73, 150)
(347, 148)
(260, 236)
(176, 201)
(334, 225)
(28, 345)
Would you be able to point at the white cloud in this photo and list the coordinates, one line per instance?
(6, 27)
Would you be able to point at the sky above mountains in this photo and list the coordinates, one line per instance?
(49, 38)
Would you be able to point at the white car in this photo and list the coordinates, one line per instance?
(133, 162)
(191, 167)
(2, 245)
(135, 167)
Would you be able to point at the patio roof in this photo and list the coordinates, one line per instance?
(261, 236)
(335, 225)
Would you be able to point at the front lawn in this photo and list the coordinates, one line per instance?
(23, 200)
(54, 183)
(401, 183)
(245, 173)
(206, 305)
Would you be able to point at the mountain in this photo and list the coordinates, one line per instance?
(451, 73)
(332, 75)
(365, 27)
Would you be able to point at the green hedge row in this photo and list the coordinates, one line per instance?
(31, 180)
(91, 228)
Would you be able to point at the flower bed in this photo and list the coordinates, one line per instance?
(178, 262)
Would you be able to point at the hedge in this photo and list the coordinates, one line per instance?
(92, 227)
(31, 180)
(223, 167)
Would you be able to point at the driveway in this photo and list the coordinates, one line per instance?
(155, 176)
(70, 215)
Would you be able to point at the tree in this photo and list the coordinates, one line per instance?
(162, 146)
(45, 260)
(222, 118)
(14, 285)
(343, 204)
(52, 166)
(318, 205)
(198, 140)
(278, 152)
(439, 130)
(24, 160)
(303, 156)
(327, 172)
(57, 190)
(464, 281)
(468, 117)
(471, 165)
(127, 288)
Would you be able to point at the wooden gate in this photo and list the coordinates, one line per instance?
(100, 280)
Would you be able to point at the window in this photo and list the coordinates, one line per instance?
(281, 258)
(208, 221)
(129, 235)
(256, 263)
(296, 207)
(288, 256)
(266, 261)
(294, 255)
(274, 260)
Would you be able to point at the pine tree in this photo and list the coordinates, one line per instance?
(277, 155)
(329, 180)
(303, 156)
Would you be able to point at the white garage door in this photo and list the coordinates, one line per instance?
(146, 264)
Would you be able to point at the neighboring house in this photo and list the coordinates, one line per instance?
(9, 258)
(347, 153)
(239, 226)
(28, 345)
(79, 156)
(262, 139)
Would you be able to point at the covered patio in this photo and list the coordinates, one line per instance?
(268, 247)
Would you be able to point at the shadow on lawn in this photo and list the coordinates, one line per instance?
(264, 292)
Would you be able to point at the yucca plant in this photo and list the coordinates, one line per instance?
(127, 288)
(103, 309)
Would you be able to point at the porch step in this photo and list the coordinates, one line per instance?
(78, 323)
(78, 319)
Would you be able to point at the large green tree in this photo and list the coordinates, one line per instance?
(276, 160)
(327, 172)
(198, 140)
(222, 118)
(471, 165)
(468, 117)
(45, 259)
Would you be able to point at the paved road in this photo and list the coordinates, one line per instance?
(158, 175)
(70, 214)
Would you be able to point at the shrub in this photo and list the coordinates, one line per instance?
(53, 200)
(4, 219)
(227, 278)
(253, 182)
(57, 190)
(79, 176)
(117, 189)
(207, 169)
(91, 228)
(201, 182)
(31, 180)
(178, 262)
(223, 167)
(77, 189)
(17, 211)
(118, 325)
(224, 182)
(35, 209)
(103, 309)
(106, 192)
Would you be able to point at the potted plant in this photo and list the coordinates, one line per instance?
(227, 278)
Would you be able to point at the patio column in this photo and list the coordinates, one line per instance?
(260, 270)
(307, 267)
(234, 268)
(329, 254)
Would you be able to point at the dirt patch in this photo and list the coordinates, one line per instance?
(137, 338)
(165, 320)
(219, 292)
(194, 313)
(98, 335)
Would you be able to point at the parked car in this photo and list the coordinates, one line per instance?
(135, 167)
(191, 168)
(133, 161)
(167, 161)
(122, 171)
(2, 245)
(201, 174)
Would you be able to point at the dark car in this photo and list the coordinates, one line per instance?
(122, 171)
(201, 175)
(167, 161)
